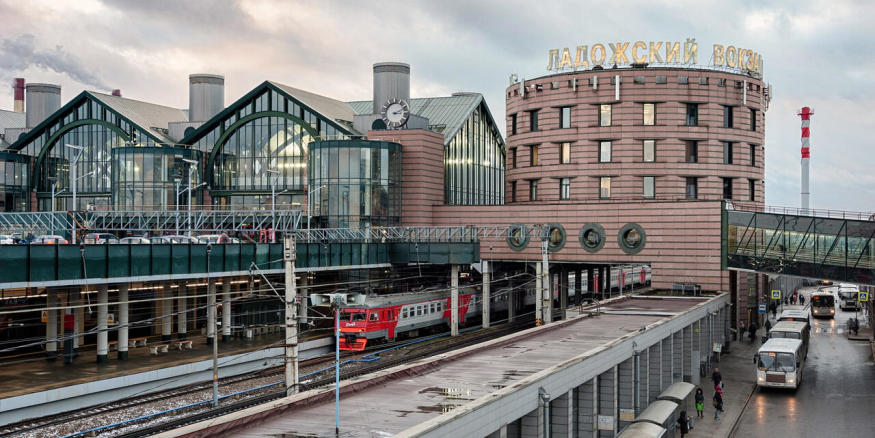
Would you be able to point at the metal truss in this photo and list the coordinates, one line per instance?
(37, 223)
(467, 233)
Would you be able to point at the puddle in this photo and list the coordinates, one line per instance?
(509, 374)
(449, 393)
(438, 408)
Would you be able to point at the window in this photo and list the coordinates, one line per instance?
(649, 187)
(703, 80)
(727, 188)
(692, 187)
(565, 117)
(752, 189)
(404, 313)
(564, 153)
(753, 119)
(727, 116)
(565, 188)
(513, 124)
(692, 118)
(513, 191)
(533, 120)
(753, 155)
(649, 114)
(638, 80)
(683, 80)
(727, 152)
(692, 147)
(661, 80)
(605, 114)
(513, 158)
(649, 151)
(533, 190)
(375, 316)
(604, 152)
(721, 82)
(605, 187)
(533, 156)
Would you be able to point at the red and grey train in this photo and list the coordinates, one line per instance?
(385, 317)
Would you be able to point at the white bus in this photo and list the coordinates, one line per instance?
(848, 295)
(792, 330)
(823, 304)
(780, 363)
(794, 315)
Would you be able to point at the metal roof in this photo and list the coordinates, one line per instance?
(154, 118)
(445, 114)
(11, 119)
(326, 106)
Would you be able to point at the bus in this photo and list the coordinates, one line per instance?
(794, 315)
(823, 304)
(848, 295)
(792, 330)
(780, 363)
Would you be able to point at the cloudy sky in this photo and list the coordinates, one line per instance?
(816, 53)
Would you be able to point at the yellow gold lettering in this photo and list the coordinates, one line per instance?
(581, 58)
(600, 59)
(691, 51)
(731, 57)
(566, 58)
(554, 54)
(654, 51)
(619, 56)
(672, 52)
(718, 55)
(635, 57)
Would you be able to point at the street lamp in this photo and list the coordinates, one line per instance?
(54, 181)
(78, 154)
(177, 177)
(192, 167)
(310, 203)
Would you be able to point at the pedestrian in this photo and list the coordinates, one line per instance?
(700, 403)
(774, 308)
(753, 332)
(718, 402)
(717, 378)
(742, 327)
(768, 326)
(684, 423)
(801, 300)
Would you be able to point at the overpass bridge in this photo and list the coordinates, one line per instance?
(830, 245)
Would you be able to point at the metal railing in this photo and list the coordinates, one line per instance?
(796, 211)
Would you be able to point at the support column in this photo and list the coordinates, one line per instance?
(79, 318)
(642, 378)
(69, 327)
(561, 413)
(211, 310)
(547, 284)
(677, 357)
(626, 390)
(687, 354)
(607, 399)
(123, 321)
(182, 308)
(654, 372)
(587, 408)
(578, 286)
(512, 295)
(304, 292)
(102, 333)
(454, 300)
(590, 281)
(51, 323)
(539, 303)
(485, 300)
(166, 313)
(563, 290)
(666, 363)
(226, 309)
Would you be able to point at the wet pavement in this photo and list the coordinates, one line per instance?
(836, 397)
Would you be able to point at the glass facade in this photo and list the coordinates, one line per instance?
(14, 178)
(356, 183)
(145, 178)
(474, 163)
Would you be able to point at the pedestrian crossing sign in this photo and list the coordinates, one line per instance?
(863, 296)
(776, 294)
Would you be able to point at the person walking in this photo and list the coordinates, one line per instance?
(717, 378)
(684, 423)
(774, 308)
(718, 402)
(768, 326)
(753, 332)
(700, 403)
(801, 300)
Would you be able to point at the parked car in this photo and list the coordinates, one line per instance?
(100, 238)
(50, 239)
(6, 239)
(173, 239)
(135, 241)
(214, 238)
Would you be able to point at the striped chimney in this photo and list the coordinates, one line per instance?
(18, 91)
(806, 155)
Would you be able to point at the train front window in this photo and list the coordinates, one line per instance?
(375, 316)
(358, 316)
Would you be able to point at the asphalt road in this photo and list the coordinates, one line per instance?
(837, 395)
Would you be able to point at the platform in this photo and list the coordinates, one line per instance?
(436, 396)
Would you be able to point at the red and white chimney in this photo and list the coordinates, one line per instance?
(18, 91)
(805, 114)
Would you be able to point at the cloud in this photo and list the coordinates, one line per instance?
(21, 52)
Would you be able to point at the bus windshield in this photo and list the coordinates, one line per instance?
(822, 301)
(781, 362)
(848, 295)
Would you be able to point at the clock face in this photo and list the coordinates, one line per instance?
(395, 113)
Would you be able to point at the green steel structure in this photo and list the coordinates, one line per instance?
(64, 265)
(831, 248)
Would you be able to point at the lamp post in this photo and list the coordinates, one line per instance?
(54, 181)
(274, 176)
(76, 156)
(178, 179)
(309, 203)
(192, 167)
